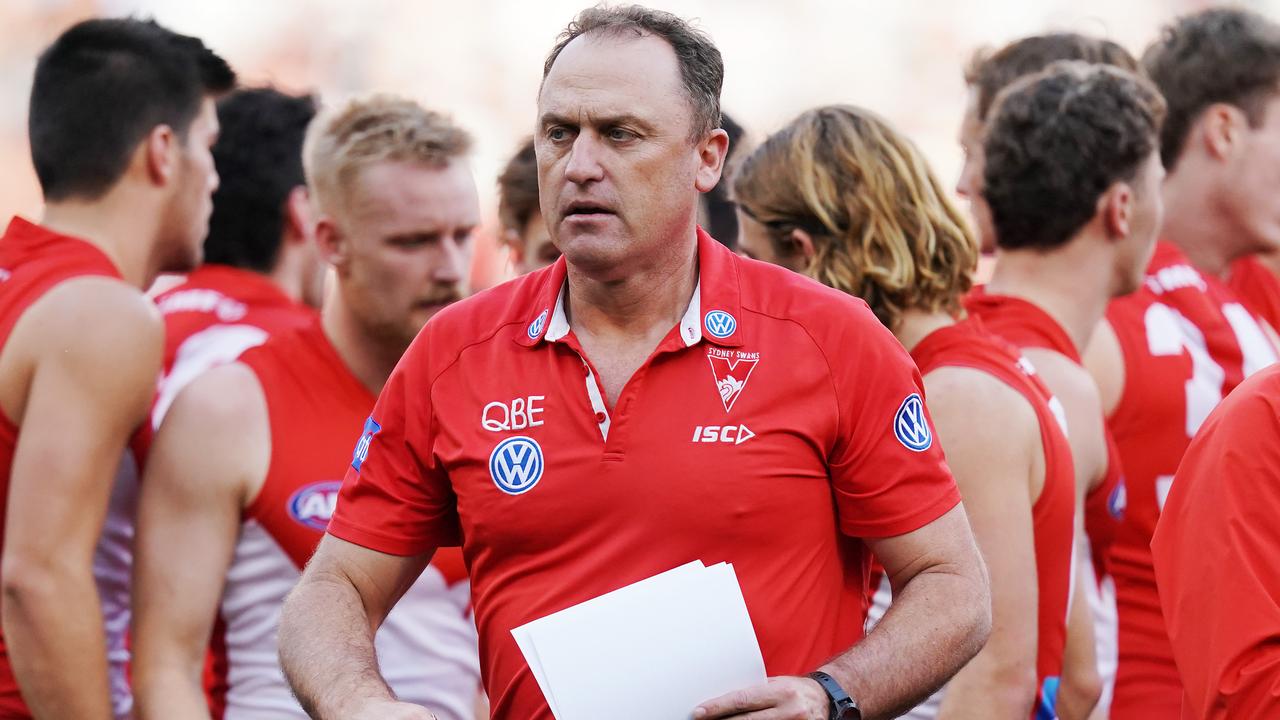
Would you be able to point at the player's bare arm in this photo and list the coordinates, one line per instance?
(209, 458)
(999, 467)
(327, 627)
(1104, 360)
(1081, 686)
(87, 355)
(940, 618)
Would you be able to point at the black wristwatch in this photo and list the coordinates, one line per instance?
(842, 706)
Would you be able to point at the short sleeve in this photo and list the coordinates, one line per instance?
(887, 468)
(1215, 550)
(396, 498)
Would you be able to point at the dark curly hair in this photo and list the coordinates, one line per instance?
(1056, 141)
(1224, 55)
(259, 159)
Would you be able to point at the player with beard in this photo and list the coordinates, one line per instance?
(121, 121)
(842, 197)
(246, 465)
(1169, 353)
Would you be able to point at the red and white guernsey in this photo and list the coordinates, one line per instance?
(427, 649)
(33, 261)
(1187, 341)
(1258, 287)
(969, 345)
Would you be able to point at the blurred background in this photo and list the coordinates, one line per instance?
(481, 60)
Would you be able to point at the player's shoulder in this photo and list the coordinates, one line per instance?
(95, 311)
(969, 392)
(228, 394)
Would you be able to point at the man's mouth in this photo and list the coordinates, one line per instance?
(587, 209)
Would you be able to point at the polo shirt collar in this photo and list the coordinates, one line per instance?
(714, 312)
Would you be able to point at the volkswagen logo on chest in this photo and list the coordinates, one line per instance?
(516, 465)
(720, 324)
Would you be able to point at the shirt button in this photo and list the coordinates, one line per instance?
(601, 417)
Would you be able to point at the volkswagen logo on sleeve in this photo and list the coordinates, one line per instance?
(516, 465)
(910, 425)
(720, 324)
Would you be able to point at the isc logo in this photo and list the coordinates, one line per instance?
(731, 434)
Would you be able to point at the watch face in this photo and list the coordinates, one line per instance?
(848, 713)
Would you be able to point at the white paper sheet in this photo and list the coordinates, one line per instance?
(650, 651)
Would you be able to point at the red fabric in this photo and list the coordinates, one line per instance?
(968, 344)
(1187, 342)
(1258, 288)
(821, 466)
(33, 260)
(1215, 551)
(1027, 325)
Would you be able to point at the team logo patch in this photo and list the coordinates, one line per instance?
(720, 324)
(516, 465)
(910, 425)
(1118, 500)
(731, 370)
(313, 504)
(371, 428)
(536, 327)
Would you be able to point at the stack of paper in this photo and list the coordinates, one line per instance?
(653, 650)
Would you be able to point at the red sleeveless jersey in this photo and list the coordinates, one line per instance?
(1187, 341)
(968, 344)
(1258, 288)
(1026, 325)
(317, 410)
(33, 260)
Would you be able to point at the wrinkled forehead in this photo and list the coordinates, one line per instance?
(607, 74)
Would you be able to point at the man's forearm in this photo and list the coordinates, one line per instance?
(55, 642)
(326, 648)
(936, 624)
(170, 692)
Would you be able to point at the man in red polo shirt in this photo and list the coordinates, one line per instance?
(649, 400)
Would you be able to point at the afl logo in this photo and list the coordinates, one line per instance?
(720, 324)
(1118, 500)
(516, 465)
(536, 327)
(313, 505)
(910, 425)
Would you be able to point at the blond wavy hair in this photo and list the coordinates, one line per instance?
(883, 228)
(378, 128)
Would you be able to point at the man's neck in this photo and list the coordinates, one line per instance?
(118, 228)
(369, 357)
(1065, 283)
(1193, 223)
(916, 325)
(654, 295)
(288, 274)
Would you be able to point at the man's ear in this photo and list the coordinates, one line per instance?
(160, 155)
(711, 152)
(299, 215)
(1221, 130)
(515, 245)
(333, 245)
(1115, 207)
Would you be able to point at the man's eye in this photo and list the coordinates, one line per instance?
(619, 134)
(557, 134)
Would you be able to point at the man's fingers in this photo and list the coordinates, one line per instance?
(760, 697)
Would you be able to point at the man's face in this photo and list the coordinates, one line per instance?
(970, 184)
(1252, 180)
(537, 250)
(406, 239)
(1135, 251)
(186, 220)
(618, 175)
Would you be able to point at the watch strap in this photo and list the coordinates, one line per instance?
(842, 707)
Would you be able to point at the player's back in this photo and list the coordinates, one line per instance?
(317, 409)
(1187, 341)
(33, 261)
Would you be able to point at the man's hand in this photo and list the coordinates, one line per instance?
(391, 710)
(782, 698)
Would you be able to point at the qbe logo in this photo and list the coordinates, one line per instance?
(313, 504)
(516, 465)
(720, 324)
(910, 425)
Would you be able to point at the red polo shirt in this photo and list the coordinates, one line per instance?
(776, 424)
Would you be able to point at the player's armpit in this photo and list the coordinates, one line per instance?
(209, 458)
(93, 346)
(1104, 360)
(1086, 433)
(995, 463)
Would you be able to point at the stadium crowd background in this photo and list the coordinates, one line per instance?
(481, 61)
